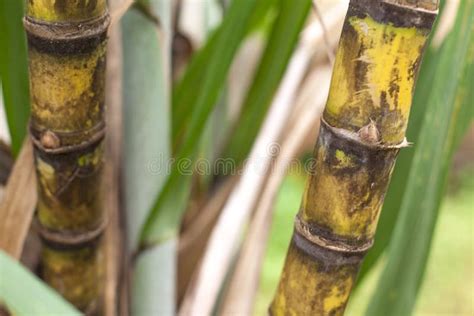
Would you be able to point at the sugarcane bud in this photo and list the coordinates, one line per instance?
(369, 133)
(50, 140)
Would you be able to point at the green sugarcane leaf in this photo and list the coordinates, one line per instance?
(283, 39)
(217, 124)
(146, 116)
(186, 92)
(14, 70)
(147, 149)
(154, 276)
(164, 219)
(448, 112)
(24, 294)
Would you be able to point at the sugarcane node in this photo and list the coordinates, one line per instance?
(50, 140)
(397, 13)
(95, 136)
(315, 281)
(330, 257)
(344, 195)
(70, 196)
(67, 38)
(369, 131)
(332, 242)
(69, 240)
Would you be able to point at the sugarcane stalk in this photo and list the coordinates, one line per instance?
(362, 130)
(66, 49)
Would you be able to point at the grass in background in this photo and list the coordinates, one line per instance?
(447, 288)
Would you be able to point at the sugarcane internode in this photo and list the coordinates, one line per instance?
(67, 46)
(362, 130)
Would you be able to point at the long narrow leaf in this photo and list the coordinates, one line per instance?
(164, 219)
(146, 85)
(216, 125)
(283, 39)
(187, 91)
(24, 294)
(409, 249)
(154, 278)
(146, 118)
(14, 70)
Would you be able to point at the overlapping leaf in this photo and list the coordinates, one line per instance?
(214, 64)
(147, 149)
(448, 112)
(186, 92)
(146, 117)
(283, 39)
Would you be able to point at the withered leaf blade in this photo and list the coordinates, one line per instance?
(18, 204)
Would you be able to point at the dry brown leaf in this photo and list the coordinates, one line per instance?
(18, 204)
(114, 242)
(193, 240)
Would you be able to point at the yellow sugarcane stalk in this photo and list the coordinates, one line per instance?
(362, 130)
(67, 45)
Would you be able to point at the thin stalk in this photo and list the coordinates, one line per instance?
(362, 131)
(67, 46)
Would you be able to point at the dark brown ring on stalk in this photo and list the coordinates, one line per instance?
(67, 30)
(66, 240)
(315, 235)
(66, 38)
(363, 163)
(97, 134)
(390, 12)
(329, 256)
(349, 136)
